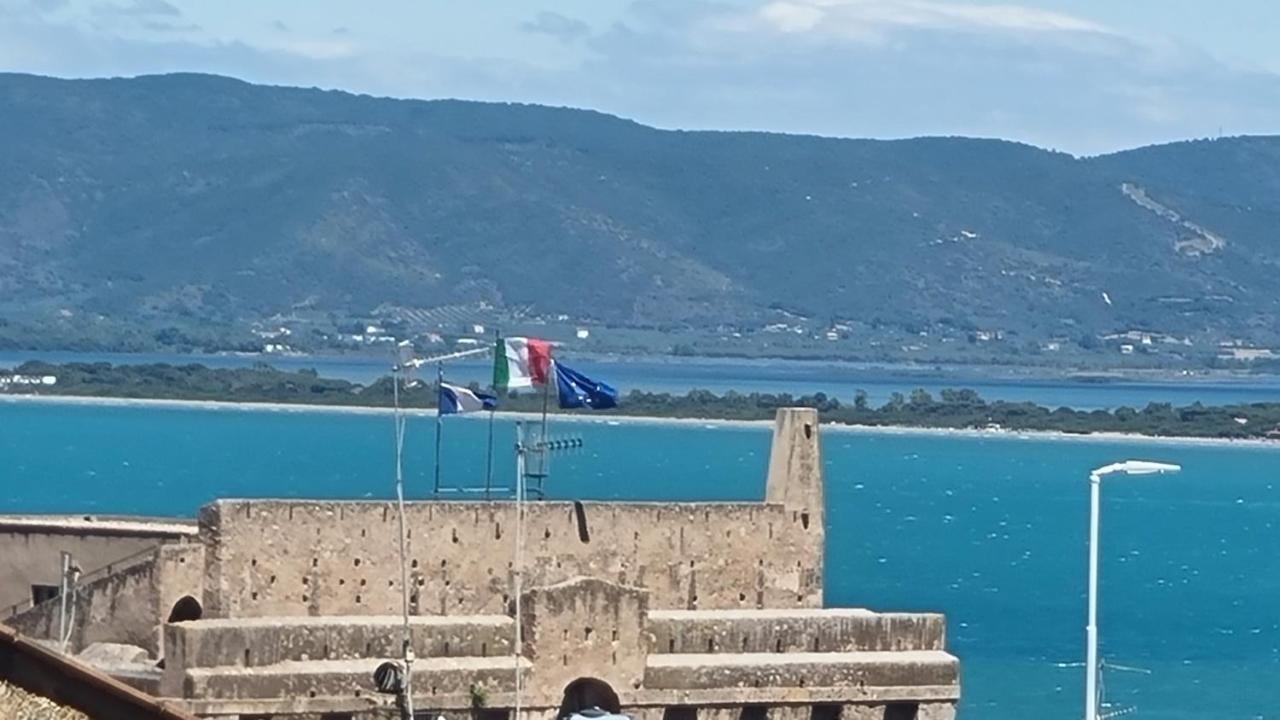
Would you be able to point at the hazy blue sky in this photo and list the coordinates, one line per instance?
(1085, 76)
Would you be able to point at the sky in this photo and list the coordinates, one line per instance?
(1082, 76)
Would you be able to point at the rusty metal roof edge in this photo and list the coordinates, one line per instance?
(90, 676)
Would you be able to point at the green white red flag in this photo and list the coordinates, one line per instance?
(521, 362)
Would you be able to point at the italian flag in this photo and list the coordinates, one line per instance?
(521, 362)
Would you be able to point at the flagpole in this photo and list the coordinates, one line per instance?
(518, 564)
(546, 397)
(488, 463)
(407, 638)
(439, 423)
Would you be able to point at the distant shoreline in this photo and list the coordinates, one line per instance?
(605, 418)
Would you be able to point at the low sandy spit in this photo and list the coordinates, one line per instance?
(607, 419)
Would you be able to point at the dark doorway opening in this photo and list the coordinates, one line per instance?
(586, 693)
(186, 609)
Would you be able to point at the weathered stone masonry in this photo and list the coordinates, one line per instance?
(684, 610)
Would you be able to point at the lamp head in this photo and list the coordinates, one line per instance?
(1137, 467)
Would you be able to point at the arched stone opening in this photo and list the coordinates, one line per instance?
(586, 693)
(187, 608)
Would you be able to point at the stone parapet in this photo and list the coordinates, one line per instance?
(912, 668)
(793, 630)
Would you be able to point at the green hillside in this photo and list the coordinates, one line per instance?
(210, 202)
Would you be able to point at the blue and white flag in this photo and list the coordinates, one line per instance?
(455, 399)
(577, 390)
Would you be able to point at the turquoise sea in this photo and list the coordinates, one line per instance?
(990, 531)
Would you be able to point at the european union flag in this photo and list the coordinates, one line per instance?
(577, 390)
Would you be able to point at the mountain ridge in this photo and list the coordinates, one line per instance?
(161, 198)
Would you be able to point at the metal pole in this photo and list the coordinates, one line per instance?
(488, 464)
(1091, 630)
(546, 457)
(518, 562)
(439, 423)
(63, 590)
(407, 639)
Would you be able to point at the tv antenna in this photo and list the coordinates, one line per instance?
(1108, 710)
(531, 449)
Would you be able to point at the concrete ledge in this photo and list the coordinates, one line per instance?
(802, 670)
(100, 525)
(797, 630)
(258, 642)
(451, 677)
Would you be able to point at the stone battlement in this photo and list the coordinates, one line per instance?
(672, 610)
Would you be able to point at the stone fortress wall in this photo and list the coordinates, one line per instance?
(682, 611)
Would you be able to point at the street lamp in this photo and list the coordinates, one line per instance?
(1128, 467)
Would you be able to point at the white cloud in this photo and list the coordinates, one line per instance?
(854, 68)
(838, 15)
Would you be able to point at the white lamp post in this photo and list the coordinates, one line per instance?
(1128, 467)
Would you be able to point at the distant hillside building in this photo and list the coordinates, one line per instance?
(666, 611)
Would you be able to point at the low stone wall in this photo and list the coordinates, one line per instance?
(767, 631)
(257, 642)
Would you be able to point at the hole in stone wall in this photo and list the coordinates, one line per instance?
(671, 645)
(246, 657)
(613, 657)
(680, 712)
(742, 597)
(546, 534)
(777, 645)
(804, 520)
(815, 643)
(304, 598)
(901, 711)
(484, 649)
(615, 636)
(414, 564)
(446, 648)
(808, 431)
(744, 643)
(711, 645)
(754, 712)
(272, 581)
(342, 581)
(356, 562)
(497, 531)
(580, 513)
(253, 595)
(362, 532)
(357, 599)
(826, 711)
(586, 633)
(455, 536)
(315, 562)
